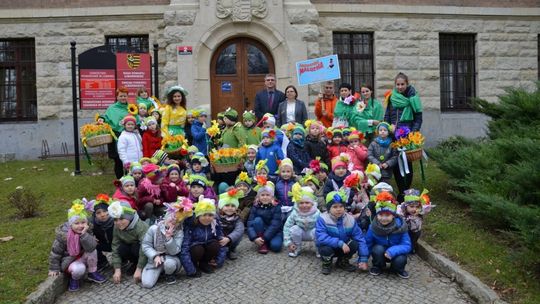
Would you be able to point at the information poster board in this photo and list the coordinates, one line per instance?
(318, 70)
(97, 88)
(134, 71)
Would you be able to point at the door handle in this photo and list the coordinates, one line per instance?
(246, 102)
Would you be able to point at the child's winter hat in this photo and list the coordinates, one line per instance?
(150, 120)
(356, 135)
(231, 114)
(77, 211)
(243, 178)
(205, 206)
(198, 157)
(264, 185)
(142, 105)
(220, 115)
(414, 196)
(253, 147)
(152, 172)
(298, 129)
(336, 132)
(127, 179)
(197, 112)
(128, 118)
(179, 210)
(230, 198)
(159, 157)
(373, 173)
(302, 194)
(270, 133)
(385, 202)
(249, 115)
(335, 197)
(189, 113)
(270, 119)
(102, 201)
(135, 167)
(316, 165)
(261, 165)
(196, 179)
(340, 161)
(312, 122)
(347, 131)
(173, 167)
(387, 126)
(121, 210)
(146, 159)
(192, 149)
(309, 177)
(286, 162)
(378, 188)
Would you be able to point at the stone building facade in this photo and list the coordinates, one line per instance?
(403, 37)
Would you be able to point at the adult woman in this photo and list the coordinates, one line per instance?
(369, 112)
(174, 113)
(292, 109)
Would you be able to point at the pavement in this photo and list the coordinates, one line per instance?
(277, 278)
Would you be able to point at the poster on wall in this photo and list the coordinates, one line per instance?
(318, 70)
(97, 88)
(134, 71)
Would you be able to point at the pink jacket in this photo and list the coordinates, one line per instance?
(358, 155)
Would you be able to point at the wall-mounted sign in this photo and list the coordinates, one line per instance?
(133, 71)
(185, 50)
(226, 86)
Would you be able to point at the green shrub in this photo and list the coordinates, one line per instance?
(25, 202)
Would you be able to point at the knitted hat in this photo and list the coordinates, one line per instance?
(243, 177)
(199, 112)
(230, 198)
(121, 210)
(309, 177)
(189, 113)
(261, 165)
(173, 167)
(249, 115)
(220, 115)
(142, 105)
(253, 147)
(270, 119)
(340, 161)
(264, 185)
(129, 118)
(146, 159)
(77, 211)
(196, 179)
(286, 162)
(270, 133)
(193, 149)
(231, 114)
(302, 194)
(198, 157)
(378, 188)
(335, 197)
(127, 179)
(385, 202)
(373, 173)
(312, 122)
(179, 210)
(135, 167)
(152, 172)
(385, 125)
(356, 135)
(150, 120)
(205, 206)
(102, 201)
(298, 129)
(347, 131)
(414, 196)
(336, 132)
(159, 157)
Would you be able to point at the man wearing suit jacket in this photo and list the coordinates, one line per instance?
(268, 99)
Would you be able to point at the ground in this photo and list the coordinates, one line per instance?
(277, 278)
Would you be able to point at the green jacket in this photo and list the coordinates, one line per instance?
(233, 137)
(253, 135)
(360, 120)
(145, 101)
(114, 114)
(135, 232)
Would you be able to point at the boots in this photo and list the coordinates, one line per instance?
(343, 263)
(73, 284)
(326, 265)
(263, 249)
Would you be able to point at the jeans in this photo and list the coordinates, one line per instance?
(276, 242)
(129, 252)
(397, 263)
(150, 274)
(330, 252)
(202, 254)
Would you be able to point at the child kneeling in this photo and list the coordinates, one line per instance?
(300, 225)
(388, 238)
(162, 244)
(74, 249)
(339, 235)
(231, 223)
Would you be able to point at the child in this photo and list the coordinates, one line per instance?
(233, 135)
(264, 222)
(135, 170)
(128, 234)
(413, 209)
(231, 223)
(338, 235)
(143, 98)
(244, 183)
(74, 249)
(103, 228)
(310, 180)
(250, 163)
(162, 244)
(150, 196)
(173, 186)
(253, 133)
(198, 165)
(142, 111)
(381, 153)
(320, 172)
(315, 145)
(262, 169)
(157, 115)
(126, 191)
(300, 225)
(129, 143)
(338, 175)
(198, 131)
(199, 185)
(296, 150)
(387, 238)
(336, 147)
(269, 151)
(345, 106)
(201, 246)
(280, 139)
(284, 185)
(357, 151)
(190, 118)
(151, 139)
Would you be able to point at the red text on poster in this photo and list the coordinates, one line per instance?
(133, 71)
(97, 88)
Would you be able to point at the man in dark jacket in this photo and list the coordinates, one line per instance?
(268, 99)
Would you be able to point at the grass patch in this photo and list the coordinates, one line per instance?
(24, 262)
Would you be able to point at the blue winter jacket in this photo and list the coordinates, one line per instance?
(197, 234)
(272, 153)
(396, 243)
(271, 216)
(299, 156)
(335, 232)
(282, 191)
(200, 138)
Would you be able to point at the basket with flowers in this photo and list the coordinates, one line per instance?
(175, 145)
(97, 134)
(227, 159)
(410, 142)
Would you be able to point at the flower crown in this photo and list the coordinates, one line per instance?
(354, 180)
(262, 165)
(182, 208)
(244, 177)
(300, 193)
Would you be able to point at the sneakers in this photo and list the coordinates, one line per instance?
(326, 267)
(74, 285)
(263, 249)
(170, 279)
(96, 277)
(317, 254)
(295, 253)
(375, 271)
(232, 255)
(403, 274)
(343, 263)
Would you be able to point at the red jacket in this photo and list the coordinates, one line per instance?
(151, 142)
(334, 150)
(171, 194)
(358, 155)
(122, 196)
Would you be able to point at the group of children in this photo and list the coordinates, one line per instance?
(298, 183)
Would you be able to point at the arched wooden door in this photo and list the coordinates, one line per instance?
(237, 72)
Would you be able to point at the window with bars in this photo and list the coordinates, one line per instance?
(355, 53)
(458, 71)
(137, 43)
(18, 101)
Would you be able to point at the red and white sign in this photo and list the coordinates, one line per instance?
(185, 50)
(97, 88)
(133, 71)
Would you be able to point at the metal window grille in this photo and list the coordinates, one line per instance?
(18, 101)
(458, 71)
(128, 43)
(538, 51)
(355, 53)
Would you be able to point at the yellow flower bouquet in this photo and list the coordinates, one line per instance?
(97, 134)
(175, 145)
(213, 130)
(227, 159)
(410, 142)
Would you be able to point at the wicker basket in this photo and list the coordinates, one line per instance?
(99, 140)
(414, 155)
(224, 168)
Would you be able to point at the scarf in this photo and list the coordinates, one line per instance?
(299, 142)
(384, 143)
(73, 243)
(108, 223)
(389, 229)
(152, 189)
(410, 104)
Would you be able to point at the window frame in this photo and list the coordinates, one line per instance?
(369, 76)
(21, 65)
(129, 47)
(453, 97)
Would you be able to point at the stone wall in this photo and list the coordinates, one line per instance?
(26, 4)
(469, 3)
